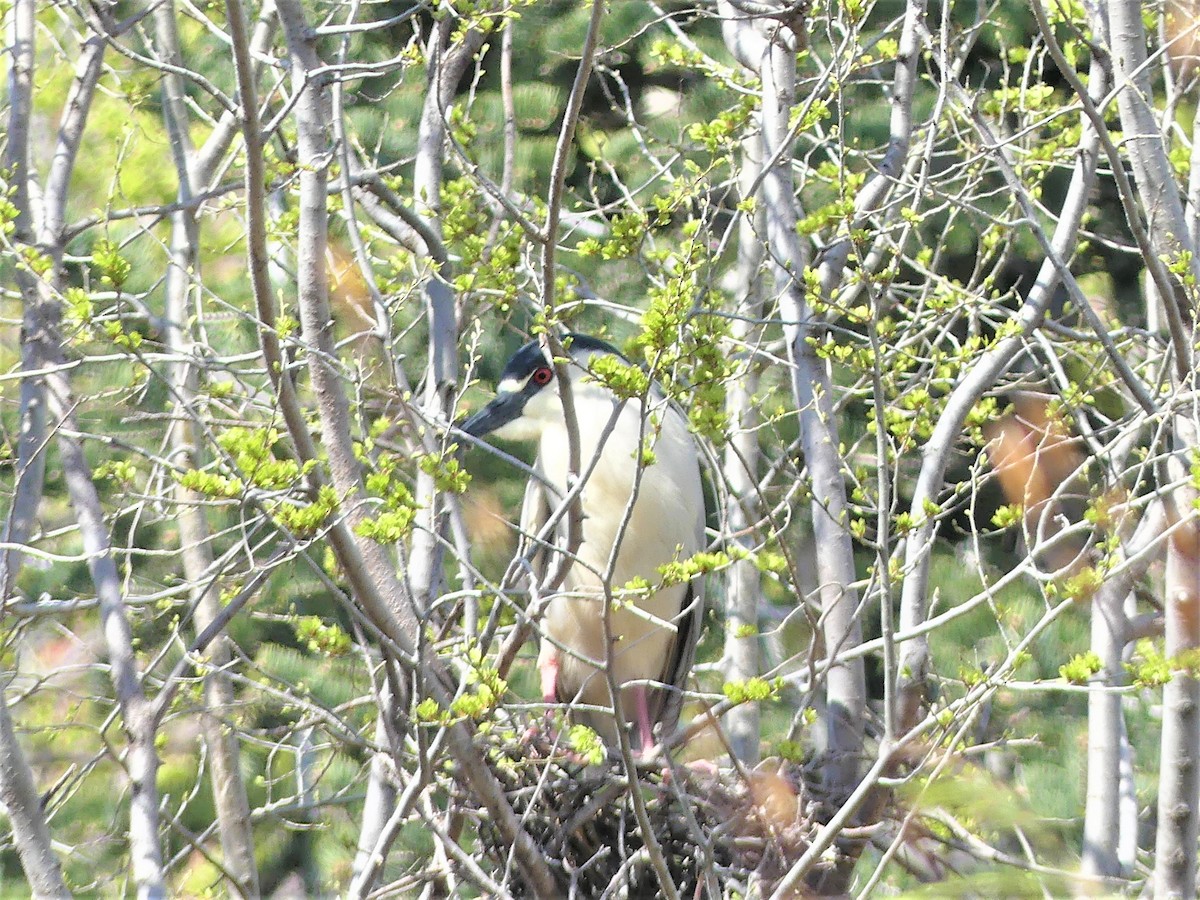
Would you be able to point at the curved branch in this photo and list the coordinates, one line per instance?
(369, 570)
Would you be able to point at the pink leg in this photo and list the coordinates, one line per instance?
(548, 667)
(645, 732)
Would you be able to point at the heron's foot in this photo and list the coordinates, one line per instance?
(697, 772)
(644, 756)
(647, 755)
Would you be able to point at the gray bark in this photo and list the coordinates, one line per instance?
(771, 55)
(1179, 767)
(1101, 824)
(18, 789)
(447, 64)
(184, 440)
(367, 567)
(137, 719)
(43, 352)
(1161, 203)
(740, 466)
(22, 805)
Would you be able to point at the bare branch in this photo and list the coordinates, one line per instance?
(23, 806)
(184, 439)
(774, 59)
(370, 572)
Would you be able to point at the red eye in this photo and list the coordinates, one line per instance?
(543, 375)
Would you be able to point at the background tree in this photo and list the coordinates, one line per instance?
(923, 278)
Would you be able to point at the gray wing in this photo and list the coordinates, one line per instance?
(690, 622)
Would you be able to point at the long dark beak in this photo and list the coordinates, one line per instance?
(503, 409)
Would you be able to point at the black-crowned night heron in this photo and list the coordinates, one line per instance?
(654, 629)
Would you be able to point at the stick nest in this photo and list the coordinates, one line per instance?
(722, 829)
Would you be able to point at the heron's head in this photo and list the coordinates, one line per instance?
(526, 400)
